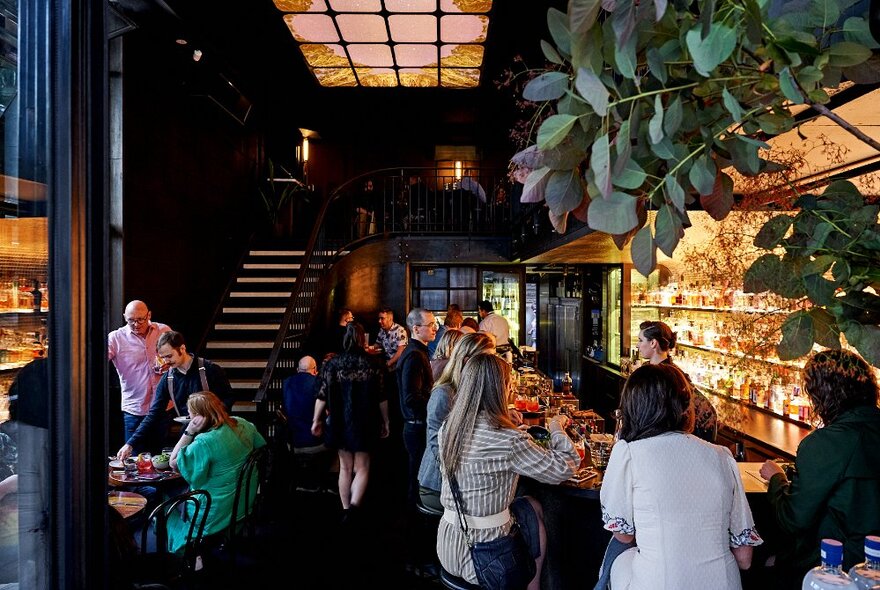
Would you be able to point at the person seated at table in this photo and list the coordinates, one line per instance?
(439, 405)
(680, 498)
(482, 449)
(209, 455)
(835, 490)
(656, 339)
(311, 457)
(444, 348)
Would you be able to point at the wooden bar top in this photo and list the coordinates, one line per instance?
(771, 431)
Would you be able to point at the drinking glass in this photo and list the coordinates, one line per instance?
(581, 451)
(600, 451)
(144, 462)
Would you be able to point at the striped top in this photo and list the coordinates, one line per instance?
(488, 475)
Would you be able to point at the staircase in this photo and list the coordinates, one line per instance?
(247, 325)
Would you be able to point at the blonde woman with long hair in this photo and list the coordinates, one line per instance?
(481, 447)
(443, 351)
(439, 405)
(209, 456)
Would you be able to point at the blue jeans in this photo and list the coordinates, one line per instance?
(130, 423)
(614, 549)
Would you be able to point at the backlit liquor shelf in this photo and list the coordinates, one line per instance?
(711, 308)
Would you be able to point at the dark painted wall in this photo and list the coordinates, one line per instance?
(189, 205)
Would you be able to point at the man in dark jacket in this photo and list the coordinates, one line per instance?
(186, 374)
(414, 381)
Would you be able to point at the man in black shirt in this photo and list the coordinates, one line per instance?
(186, 374)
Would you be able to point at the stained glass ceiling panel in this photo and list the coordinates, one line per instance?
(412, 43)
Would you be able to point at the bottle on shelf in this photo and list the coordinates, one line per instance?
(566, 384)
(867, 574)
(829, 575)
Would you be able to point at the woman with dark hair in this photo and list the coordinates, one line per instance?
(656, 339)
(485, 452)
(351, 391)
(680, 498)
(835, 492)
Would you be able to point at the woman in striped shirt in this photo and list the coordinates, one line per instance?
(487, 453)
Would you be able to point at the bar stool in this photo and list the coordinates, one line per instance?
(455, 583)
(432, 520)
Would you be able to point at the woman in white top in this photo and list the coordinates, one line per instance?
(678, 496)
(486, 452)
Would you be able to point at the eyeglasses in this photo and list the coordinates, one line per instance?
(135, 321)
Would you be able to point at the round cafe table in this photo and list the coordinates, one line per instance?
(118, 478)
(126, 503)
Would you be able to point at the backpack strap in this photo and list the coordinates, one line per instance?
(170, 379)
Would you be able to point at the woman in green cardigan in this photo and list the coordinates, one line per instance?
(209, 456)
(835, 492)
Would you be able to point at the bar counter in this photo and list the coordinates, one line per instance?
(767, 435)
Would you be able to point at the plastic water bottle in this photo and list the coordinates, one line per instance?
(867, 574)
(830, 574)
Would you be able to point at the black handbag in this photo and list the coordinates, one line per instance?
(505, 563)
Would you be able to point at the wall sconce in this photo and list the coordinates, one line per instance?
(458, 170)
(305, 149)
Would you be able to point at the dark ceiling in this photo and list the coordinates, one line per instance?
(247, 42)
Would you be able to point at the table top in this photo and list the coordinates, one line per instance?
(118, 478)
(126, 503)
(751, 478)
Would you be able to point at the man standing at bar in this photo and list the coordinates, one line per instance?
(494, 324)
(186, 374)
(414, 381)
(132, 350)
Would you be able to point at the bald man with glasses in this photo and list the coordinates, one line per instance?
(132, 350)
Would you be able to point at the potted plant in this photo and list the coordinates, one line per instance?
(275, 194)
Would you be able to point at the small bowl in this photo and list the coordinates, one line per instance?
(160, 463)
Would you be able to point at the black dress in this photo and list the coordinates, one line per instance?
(351, 384)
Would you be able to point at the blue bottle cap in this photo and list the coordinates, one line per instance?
(872, 548)
(832, 552)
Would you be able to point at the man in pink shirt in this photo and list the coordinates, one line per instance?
(132, 350)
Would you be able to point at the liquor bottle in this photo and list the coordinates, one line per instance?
(830, 574)
(566, 384)
(867, 574)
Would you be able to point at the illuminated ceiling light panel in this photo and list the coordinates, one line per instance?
(411, 5)
(390, 43)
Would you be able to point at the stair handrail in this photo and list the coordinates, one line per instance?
(315, 236)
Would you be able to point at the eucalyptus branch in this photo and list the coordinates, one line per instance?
(846, 125)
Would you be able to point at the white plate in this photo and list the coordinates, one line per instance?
(181, 419)
(116, 464)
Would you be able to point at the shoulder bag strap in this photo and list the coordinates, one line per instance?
(202, 375)
(462, 521)
(170, 380)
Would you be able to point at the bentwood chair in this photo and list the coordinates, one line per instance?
(455, 583)
(156, 562)
(248, 507)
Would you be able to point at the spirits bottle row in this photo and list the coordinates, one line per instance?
(18, 348)
(702, 296)
(22, 295)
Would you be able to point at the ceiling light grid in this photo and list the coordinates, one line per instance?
(391, 43)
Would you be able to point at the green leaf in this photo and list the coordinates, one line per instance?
(840, 271)
(774, 124)
(625, 58)
(708, 53)
(702, 175)
(667, 230)
(856, 30)
(797, 336)
(707, 11)
(798, 48)
(789, 86)
(809, 75)
(819, 290)
(732, 105)
(825, 330)
(624, 149)
(593, 90)
(547, 86)
(554, 129)
(847, 53)
(564, 192)
(762, 274)
(614, 215)
(824, 12)
(535, 185)
(550, 53)
(817, 240)
(818, 266)
(582, 15)
(643, 251)
(674, 192)
(773, 231)
(754, 21)
(655, 125)
(557, 23)
(664, 149)
(745, 155)
(866, 340)
(600, 164)
(720, 201)
(657, 65)
(672, 117)
(789, 283)
(632, 176)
